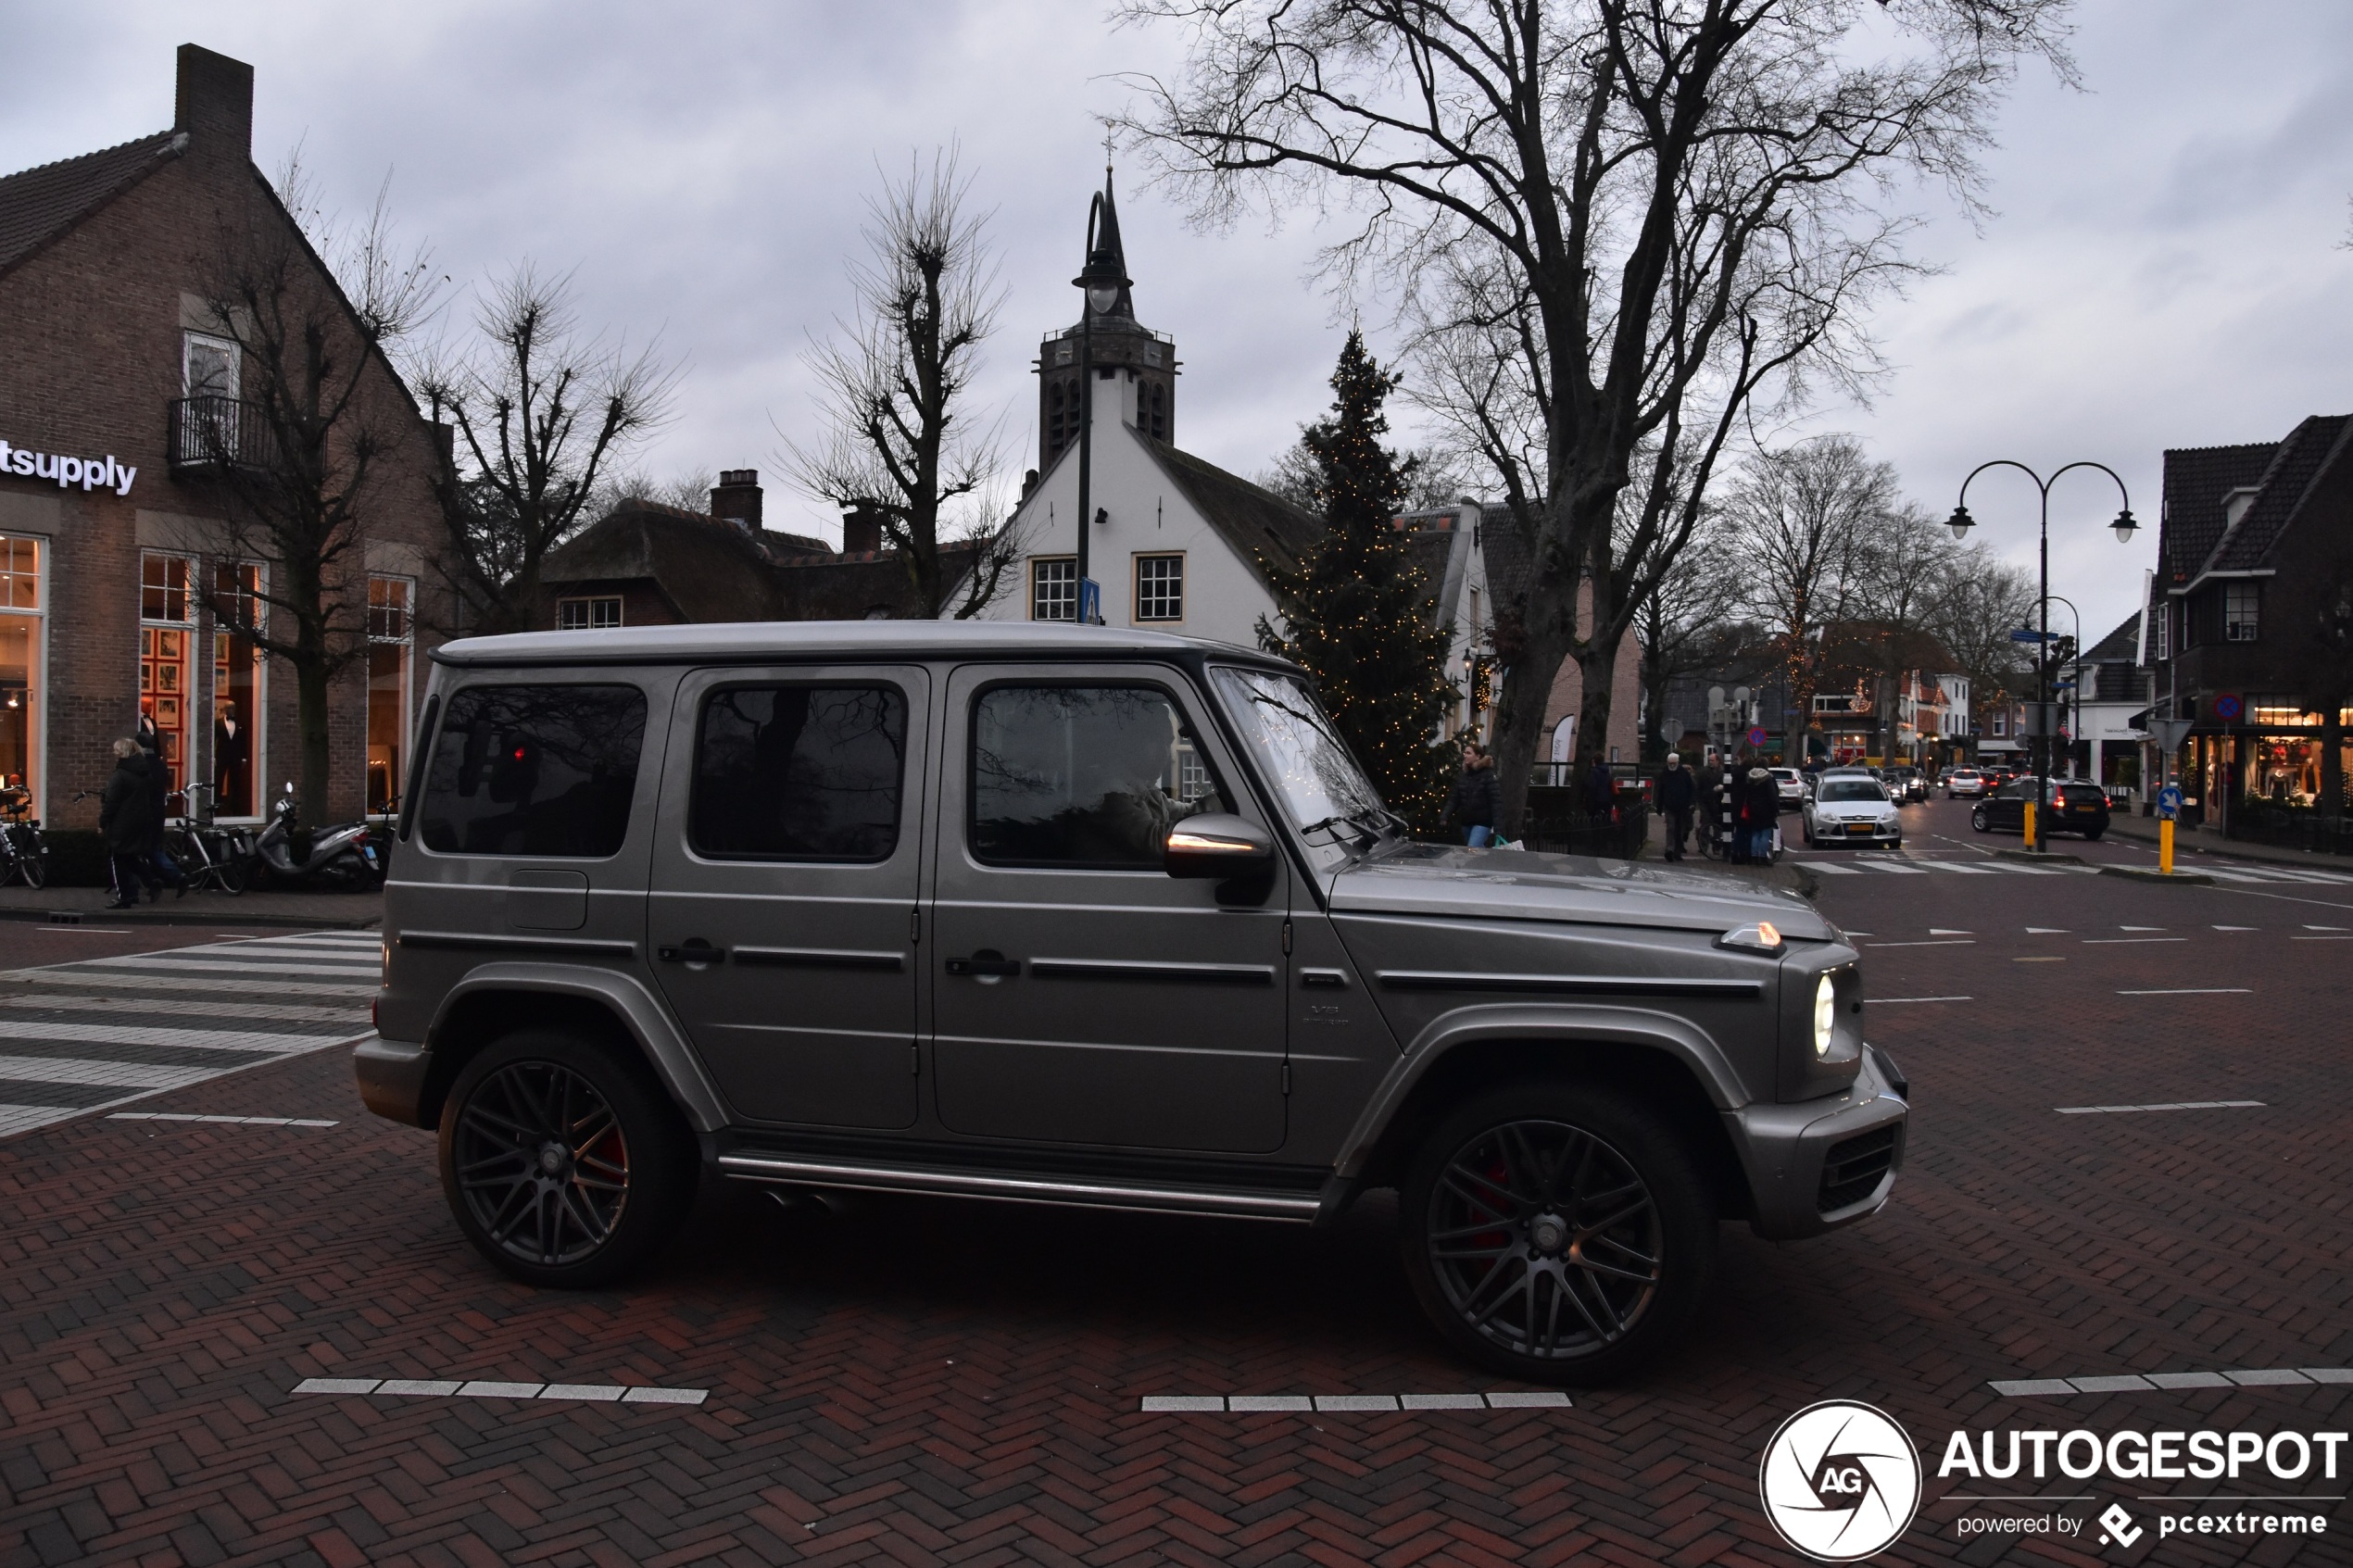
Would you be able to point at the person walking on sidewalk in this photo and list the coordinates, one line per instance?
(1760, 810)
(161, 867)
(1677, 790)
(124, 810)
(1473, 805)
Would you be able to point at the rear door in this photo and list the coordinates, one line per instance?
(784, 887)
(1081, 996)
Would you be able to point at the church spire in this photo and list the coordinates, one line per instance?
(1108, 252)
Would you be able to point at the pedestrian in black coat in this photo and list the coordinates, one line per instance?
(1476, 800)
(125, 809)
(1677, 793)
(161, 867)
(1601, 792)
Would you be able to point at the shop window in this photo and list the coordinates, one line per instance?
(588, 615)
(238, 766)
(2241, 604)
(1160, 587)
(389, 647)
(166, 687)
(1054, 588)
(22, 692)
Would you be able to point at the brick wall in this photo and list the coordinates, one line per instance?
(91, 334)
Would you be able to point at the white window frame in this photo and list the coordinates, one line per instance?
(591, 609)
(1037, 565)
(1158, 558)
(229, 351)
(2242, 620)
(256, 722)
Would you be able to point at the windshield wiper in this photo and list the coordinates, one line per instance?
(1342, 820)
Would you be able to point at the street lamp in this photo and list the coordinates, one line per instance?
(1960, 522)
(1099, 282)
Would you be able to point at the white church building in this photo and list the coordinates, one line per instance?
(1176, 544)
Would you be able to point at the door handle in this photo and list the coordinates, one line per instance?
(694, 950)
(987, 961)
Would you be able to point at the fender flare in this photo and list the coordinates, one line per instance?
(1565, 1023)
(649, 1024)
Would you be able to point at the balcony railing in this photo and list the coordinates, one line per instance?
(212, 432)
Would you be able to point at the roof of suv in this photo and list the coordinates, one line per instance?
(740, 642)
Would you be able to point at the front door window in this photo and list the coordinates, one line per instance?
(23, 690)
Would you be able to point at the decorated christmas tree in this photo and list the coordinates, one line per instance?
(1357, 612)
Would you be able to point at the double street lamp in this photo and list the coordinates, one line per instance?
(1960, 522)
(1099, 281)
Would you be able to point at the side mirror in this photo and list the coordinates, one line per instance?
(1218, 846)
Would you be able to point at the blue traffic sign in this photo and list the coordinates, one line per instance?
(2028, 634)
(1090, 603)
(2168, 802)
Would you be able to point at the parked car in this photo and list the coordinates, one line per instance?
(2081, 808)
(1087, 917)
(1967, 781)
(1850, 809)
(1791, 784)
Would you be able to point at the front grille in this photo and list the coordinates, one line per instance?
(1855, 1167)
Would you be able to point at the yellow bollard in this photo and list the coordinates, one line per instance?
(2030, 825)
(2165, 846)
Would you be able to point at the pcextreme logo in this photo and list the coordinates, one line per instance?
(1839, 1480)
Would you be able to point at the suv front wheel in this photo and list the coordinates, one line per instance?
(1557, 1233)
(563, 1161)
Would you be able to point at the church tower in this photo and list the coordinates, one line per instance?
(1124, 351)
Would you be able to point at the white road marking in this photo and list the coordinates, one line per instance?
(2275, 1377)
(225, 1121)
(1253, 1404)
(105, 1074)
(2238, 928)
(484, 1389)
(2140, 928)
(1890, 1001)
(2178, 1105)
(2047, 931)
(2327, 928)
(2196, 991)
(1947, 943)
(2127, 940)
(184, 1039)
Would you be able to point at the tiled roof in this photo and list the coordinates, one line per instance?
(2196, 479)
(1256, 523)
(708, 570)
(2123, 643)
(38, 205)
(2308, 450)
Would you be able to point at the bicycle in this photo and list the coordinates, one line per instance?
(22, 854)
(208, 856)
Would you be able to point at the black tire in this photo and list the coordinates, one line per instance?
(232, 875)
(1628, 1286)
(1979, 821)
(562, 1161)
(35, 871)
(2092, 836)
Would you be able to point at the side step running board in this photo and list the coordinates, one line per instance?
(1300, 1210)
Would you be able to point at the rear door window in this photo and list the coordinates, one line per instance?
(541, 770)
(787, 772)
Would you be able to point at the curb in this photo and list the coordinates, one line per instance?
(2136, 873)
(2228, 850)
(177, 917)
(2038, 857)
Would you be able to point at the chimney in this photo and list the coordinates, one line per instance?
(736, 497)
(215, 102)
(861, 531)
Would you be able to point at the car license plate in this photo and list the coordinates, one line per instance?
(1858, 827)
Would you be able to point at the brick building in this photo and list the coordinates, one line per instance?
(121, 410)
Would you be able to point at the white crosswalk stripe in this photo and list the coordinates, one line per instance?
(57, 1061)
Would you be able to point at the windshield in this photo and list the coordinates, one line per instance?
(1293, 740)
(1852, 789)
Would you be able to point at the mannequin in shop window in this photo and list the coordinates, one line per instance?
(232, 753)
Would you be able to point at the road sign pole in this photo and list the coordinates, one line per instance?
(2030, 825)
(2165, 847)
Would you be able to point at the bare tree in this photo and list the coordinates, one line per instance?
(541, 409)
(1642, 217)
(1979, 603)
(900, 439)
(1686, 625)
(314, 435)
(1805, 524)
(1905, 572)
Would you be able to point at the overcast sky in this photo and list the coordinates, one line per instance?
(2164, 271)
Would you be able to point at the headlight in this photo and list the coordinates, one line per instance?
(1825, 1016)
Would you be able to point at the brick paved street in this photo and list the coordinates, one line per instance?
(924, 1381)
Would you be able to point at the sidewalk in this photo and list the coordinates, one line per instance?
(314, 911)
(1791, 875)
(2190, 842)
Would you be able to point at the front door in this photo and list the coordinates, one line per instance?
(1081, 994)
(785, 888)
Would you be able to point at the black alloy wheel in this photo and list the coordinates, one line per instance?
(1557, 1235)
(561, 1163)
(1979, 821)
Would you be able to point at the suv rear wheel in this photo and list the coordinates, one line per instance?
(1557, 1233)
(562, 1161)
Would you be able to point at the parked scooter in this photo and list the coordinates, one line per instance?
(339, 856)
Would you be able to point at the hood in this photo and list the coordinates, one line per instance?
(1433, 879)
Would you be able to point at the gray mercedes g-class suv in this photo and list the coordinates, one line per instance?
(1071, 915)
